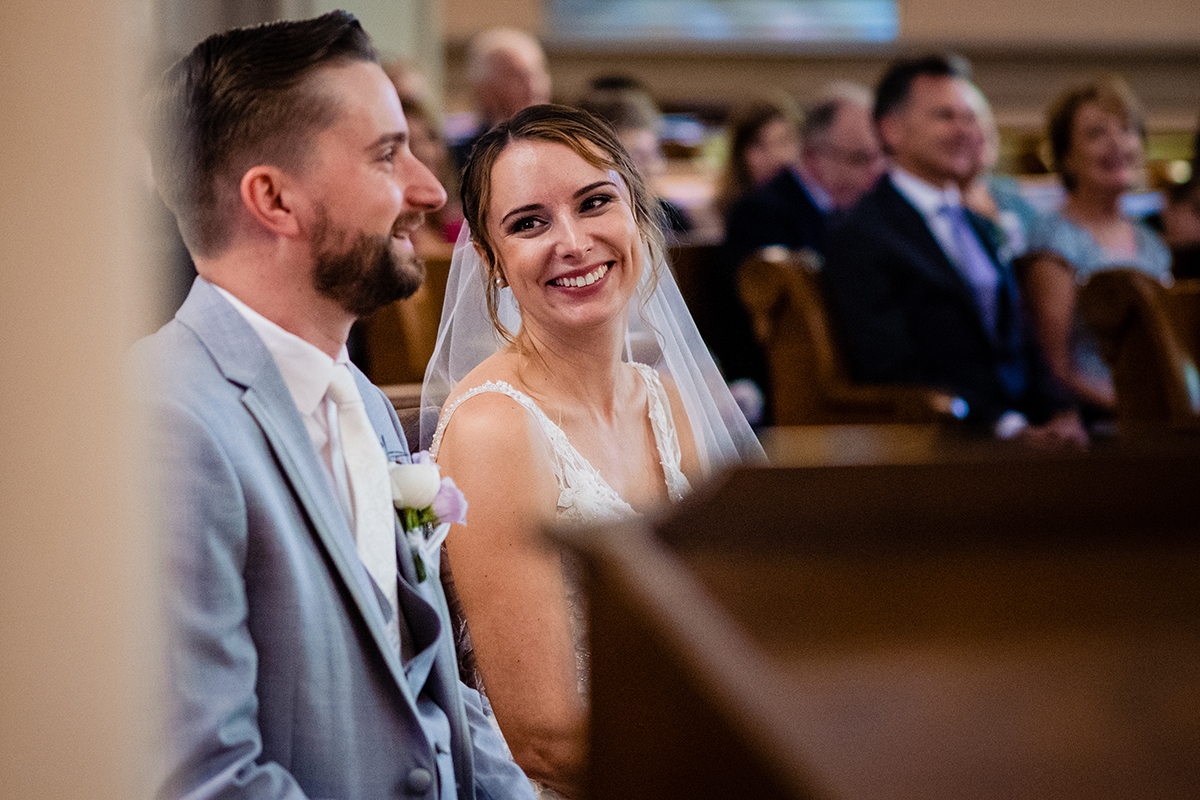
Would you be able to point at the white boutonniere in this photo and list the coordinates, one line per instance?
(427, 505)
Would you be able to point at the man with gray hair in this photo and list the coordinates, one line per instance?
(507, 72)
(840, 160)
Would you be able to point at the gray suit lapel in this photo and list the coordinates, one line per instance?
(442, 682)
(245, 361)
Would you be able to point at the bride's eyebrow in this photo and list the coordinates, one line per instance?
(593, 186)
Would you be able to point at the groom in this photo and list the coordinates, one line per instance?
(297, 667)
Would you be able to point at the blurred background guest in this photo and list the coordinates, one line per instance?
(1096, 135)
(916, 289)
(506, 69)
(840, 159)
(1181, 227)
(996, 197)
(410, 81)
(638, 122)
(427, 140)
(436, 238)
(763, 137)
(840, 156)
(763, 140)
(1181, 220)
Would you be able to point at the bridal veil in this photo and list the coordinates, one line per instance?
(660, 333)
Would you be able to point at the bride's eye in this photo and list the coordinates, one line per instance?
(524, 224)
(596, 201)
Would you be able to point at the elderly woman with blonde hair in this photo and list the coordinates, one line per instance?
(1096, 134)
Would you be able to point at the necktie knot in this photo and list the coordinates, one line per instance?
(342, 390)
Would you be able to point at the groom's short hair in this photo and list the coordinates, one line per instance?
(242, 98)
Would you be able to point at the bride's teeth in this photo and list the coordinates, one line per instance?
(584, 280)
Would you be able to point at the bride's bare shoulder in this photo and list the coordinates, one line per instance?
(492, 420)
(497, 368)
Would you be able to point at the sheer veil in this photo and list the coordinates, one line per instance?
(661, 333)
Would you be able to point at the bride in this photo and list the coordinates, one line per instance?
(571, 386)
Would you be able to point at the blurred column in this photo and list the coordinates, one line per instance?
(408, 28)
(77, 629)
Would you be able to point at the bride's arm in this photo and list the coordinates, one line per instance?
(511, 585)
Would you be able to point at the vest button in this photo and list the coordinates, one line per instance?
(418, 781)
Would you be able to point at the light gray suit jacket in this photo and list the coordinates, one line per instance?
(281, 683)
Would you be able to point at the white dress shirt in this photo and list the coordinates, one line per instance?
(307, 371)
(929, 200)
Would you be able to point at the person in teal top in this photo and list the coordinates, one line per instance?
(1096, 136)
(996, 197)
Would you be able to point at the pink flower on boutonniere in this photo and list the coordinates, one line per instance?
(427, 505)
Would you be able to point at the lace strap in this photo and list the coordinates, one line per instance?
(662, 421)
(564, 454)
(500, 387)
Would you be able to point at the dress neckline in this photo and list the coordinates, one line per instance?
(658, 413)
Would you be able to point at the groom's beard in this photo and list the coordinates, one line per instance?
(367, 274)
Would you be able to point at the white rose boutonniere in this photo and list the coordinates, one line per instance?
(427, 505)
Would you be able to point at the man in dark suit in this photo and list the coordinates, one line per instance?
(309, 652)
(916, 289)
(840, 159)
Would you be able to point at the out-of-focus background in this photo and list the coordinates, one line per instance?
(87, 270)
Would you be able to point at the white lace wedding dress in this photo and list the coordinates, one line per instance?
(583, 494)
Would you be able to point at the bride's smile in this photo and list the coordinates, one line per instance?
(565, 236)
(581, 279)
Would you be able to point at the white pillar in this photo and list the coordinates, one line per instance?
(77, 630)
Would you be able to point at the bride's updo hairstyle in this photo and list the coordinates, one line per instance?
(588, 137)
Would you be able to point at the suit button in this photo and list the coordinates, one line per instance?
(418, 781)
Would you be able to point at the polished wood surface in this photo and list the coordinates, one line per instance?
(966, 626)
(400, 336)
(1150, 336)
(810, 382)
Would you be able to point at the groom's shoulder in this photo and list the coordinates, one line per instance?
(173, 374)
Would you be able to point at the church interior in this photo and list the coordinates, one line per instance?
(890, 609)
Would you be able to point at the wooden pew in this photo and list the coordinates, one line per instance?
(695, 268)
(811, 385)
(406, 400)
(400, 336)
(983, 628)
(1150, 336)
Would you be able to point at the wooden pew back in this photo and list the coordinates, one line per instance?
(1015, 628)
(400, 336)
(810, 382)
(1149, 335)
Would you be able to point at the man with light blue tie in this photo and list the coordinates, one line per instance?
(306, 658)
(916, 288)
